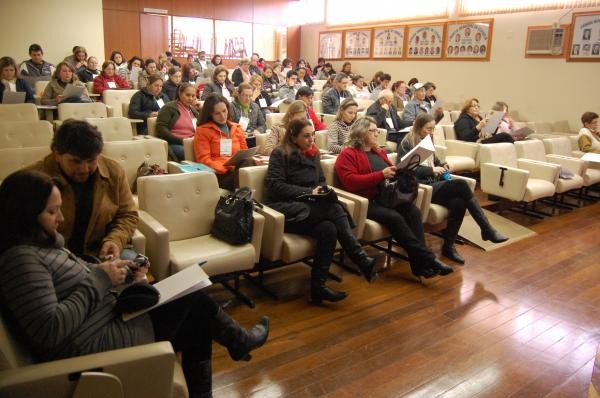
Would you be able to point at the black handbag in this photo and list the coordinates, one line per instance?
(401, 189)
(233, 217)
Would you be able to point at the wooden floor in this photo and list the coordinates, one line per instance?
(520, 321)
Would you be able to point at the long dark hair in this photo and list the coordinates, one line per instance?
(294, 128)
(209, 106)
(23, 196)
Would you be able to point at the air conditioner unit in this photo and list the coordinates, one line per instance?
(545, 41)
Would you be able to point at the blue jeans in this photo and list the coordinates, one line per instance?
(177, 151)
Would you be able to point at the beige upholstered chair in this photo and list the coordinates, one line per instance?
(318, 85)
(519, 180)
(81, 111)
(574, 139)
(438, 213)
(13, 159)
(561, 126)
(454, 115)
(317, 106)
(446, 119)
(113, 128)
(149, 370)
(562, 146)
(283, 107)
(25, 134)
(328, 119)
(114, 100)
(321, 139)
(460, 155)
(176, 216)
(363, 104)
(273, 118)
(18, 112)
(151, 126)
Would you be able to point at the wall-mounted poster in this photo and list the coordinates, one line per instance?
(585, 37)
(357, 44)
(234, 39)
(469, 40)
(388, 42)
(330, 45)
(425, 41)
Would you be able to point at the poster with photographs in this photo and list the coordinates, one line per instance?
(357, 44)
(585, 37)
(469, 40)
(425, 41)
(388, 42)
(330, 45)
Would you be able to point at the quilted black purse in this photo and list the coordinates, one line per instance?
(233, 217)
(401, 189)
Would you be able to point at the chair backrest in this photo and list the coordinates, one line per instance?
(151, 121)
(25, 134)
(446, 119)
(113, 128)
(561, 126)
(273, 118)
(317, 106)
(283, 107)
(531, 149)
(328, 167)
(124, 109)
(261, 140)
(438, 135)
(40, 86)
(115, 98)
(543, 127)
(318, 84)
(449, 132)
(382, 138)
(13, 352)
(13, 159)
(558, 146)
(18, 112)
(328, 119)
(131, 154)
(454, 115)
(321, 139)
(183, 203)
(317, 94)
(81, 111)
(90, 87)
(574, 139)
(503, 154)
(363, 103)
(254, 177)
(188, 149)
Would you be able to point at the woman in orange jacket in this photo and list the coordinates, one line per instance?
(217, 139)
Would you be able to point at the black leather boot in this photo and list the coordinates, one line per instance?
(487, 231)
(239, 341)
(319, 291)
(449, 234)
(442, 268)
(198, 376)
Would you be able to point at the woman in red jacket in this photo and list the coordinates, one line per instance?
(217, 139)
(109, 79)
(360, 168)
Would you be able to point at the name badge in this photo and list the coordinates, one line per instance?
(311, 122)
(225, 147)
(405, 102)
(244, 122)
(274, 86)
(94, 76)
(194, 122)
(160, 102)
(262, 102)
(112, 85)
(390, 122)
(432, 103)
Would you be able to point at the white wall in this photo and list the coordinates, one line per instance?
(56, 25)
(540, 89)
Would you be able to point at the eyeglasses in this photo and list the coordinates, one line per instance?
(474, 105)
(373, 130)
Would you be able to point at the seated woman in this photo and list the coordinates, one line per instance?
(178, 119)
(246, 112)
(109, 79)
(339, 131)
(469, 124)
(89, 73)
(589, 135)
(218, 138)
(63, 75)
(10, 82)
(303, 78)
(189, 74)
(454, 194)
(361, 168)
(507, 124)
(295, 170)
(358, 88)
(172, 84)
(296, 111)
(147, 102)
(216, 60)
(328, 84)
(259, 96)
(150, 68)
(163, 64)
(70, 308)
(278, 74)
(400, 96)
(242, 73)
(220, 83)
(79, 58)
(131, 72)
(306, 94)
(119, 60)
(325, 72)
(270, 80)
(375, 80)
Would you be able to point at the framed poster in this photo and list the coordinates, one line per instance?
(330, 45)
(425, 41)
(469, 40)
(388, 42)
(585, 37)
(357, 43)
(233, 39)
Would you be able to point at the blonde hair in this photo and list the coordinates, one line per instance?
(347, 103)
(359, 131)
(295, 107)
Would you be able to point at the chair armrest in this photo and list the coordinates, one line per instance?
(110, 111)
(157, 247)
(272, 237)
(574, 165)
(174, 167)
(462, 148)
(145, 371)
(423, 200)
(472, 183)
(258, 227)
(361, 206)
(515, 181)
(138, 241)
(577, 154)
(441, 152)
(541, 170)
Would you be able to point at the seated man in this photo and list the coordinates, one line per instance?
(418, 105)
(100, 216)
(385, 81)
(332, 98)
(36, 66)
(247, 114)
(287, 92)
(386, 116)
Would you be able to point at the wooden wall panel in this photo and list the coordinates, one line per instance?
(154, 30)
(293, 43)
(123, 5)
(194, 8)
(121, 32)
(270, 12)
(159, 4)
(238, 10)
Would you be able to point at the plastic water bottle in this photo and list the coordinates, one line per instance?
(446, 176)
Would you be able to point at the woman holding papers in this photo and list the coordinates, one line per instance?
(295, 173)
(147, 102)
(10, 82)
(65, 307)
(452, 193)
(361, 168)
(218, 139)
(63, 77)
(469, 126)
(109, 79)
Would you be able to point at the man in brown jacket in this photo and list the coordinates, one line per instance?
(97, 204)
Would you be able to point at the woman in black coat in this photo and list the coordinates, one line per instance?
(147, 102)
(294, 171)
(469, 125)
(172, 84)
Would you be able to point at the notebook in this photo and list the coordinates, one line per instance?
(13, 98)
(241, 155)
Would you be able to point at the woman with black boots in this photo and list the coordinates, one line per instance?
(64, 307)
(453, 194)
(295, 171)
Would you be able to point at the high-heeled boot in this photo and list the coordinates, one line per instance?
(487, 231)
(319, 291)
(198, 376)
(449, 234)
(238, 340)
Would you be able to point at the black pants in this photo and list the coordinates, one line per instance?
(454, 195)
(498, 137)
(407, 229)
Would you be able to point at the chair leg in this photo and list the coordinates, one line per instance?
(235, 290)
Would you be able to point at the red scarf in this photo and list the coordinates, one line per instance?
(310, 152)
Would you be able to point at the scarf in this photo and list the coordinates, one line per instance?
(310, 152)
